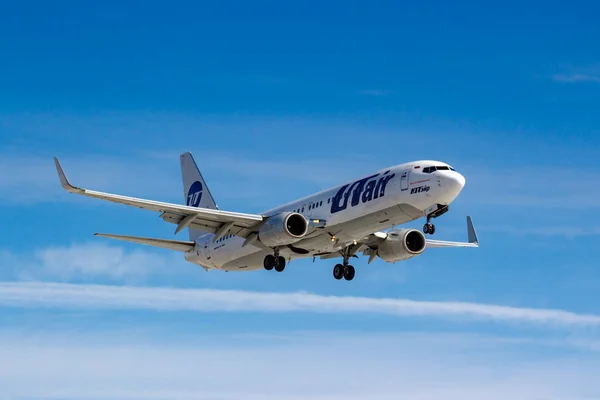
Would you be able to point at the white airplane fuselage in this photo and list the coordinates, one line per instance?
(375, 202)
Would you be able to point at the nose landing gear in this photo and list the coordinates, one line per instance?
(429, 228)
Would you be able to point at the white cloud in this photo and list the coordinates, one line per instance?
(579, 74)
(375, 92)
(564, 231)
(152, 168)
(325, 366)
(159, 177)
(36, 181)
(573, 78)
(93, 260)
(70, 296)
(89, 262)
(526, 187)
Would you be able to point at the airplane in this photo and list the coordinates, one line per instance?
(359, 216)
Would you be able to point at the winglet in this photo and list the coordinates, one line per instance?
(471, 231)
(63, 179)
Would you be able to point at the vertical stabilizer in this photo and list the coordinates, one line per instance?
(195, 191)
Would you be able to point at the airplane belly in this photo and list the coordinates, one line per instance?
(222, 254)
(250, 262)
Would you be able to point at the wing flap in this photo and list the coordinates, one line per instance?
(210, 217)
(207, 225)
(177, 245)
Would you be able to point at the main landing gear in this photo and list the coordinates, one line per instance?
(343, 271)
(274, 261)
(429, 228)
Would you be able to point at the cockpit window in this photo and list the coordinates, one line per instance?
(429, 170)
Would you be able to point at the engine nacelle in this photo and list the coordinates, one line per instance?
(283, 229)
(401, 244)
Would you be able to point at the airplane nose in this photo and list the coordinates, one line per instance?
(458, 180)
(452, 185)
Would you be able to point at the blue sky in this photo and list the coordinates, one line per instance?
(277, 101)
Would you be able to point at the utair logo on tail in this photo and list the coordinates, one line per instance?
(364, 190)
(194, 194)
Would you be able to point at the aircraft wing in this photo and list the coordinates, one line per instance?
(369, 244)
(208, 220)
(473, 241)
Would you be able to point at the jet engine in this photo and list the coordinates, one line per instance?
(283, 229)
(401, 244)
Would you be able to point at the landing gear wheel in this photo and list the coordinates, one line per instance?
(429, 228)
(269, 262)
(338, 271)
(280, 265)
(349, 272)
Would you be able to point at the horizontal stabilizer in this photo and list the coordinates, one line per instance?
(177, 245)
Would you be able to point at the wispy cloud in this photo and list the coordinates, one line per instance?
(70, 296)
(426, 366)
(526, 187)
(375, 92)
(93, 260)
(573, 78)
(562, 231)
(158, 177)
(579, 74)
(99, 261)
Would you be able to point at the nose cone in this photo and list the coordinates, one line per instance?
(452, 184)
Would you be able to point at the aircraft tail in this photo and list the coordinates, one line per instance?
(195, 190)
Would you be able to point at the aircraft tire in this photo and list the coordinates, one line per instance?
(338, 271)
(269, 262)
(280, 264)
(349, 272)
(429, 228)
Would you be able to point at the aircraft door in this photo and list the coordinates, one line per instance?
(404, 180)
